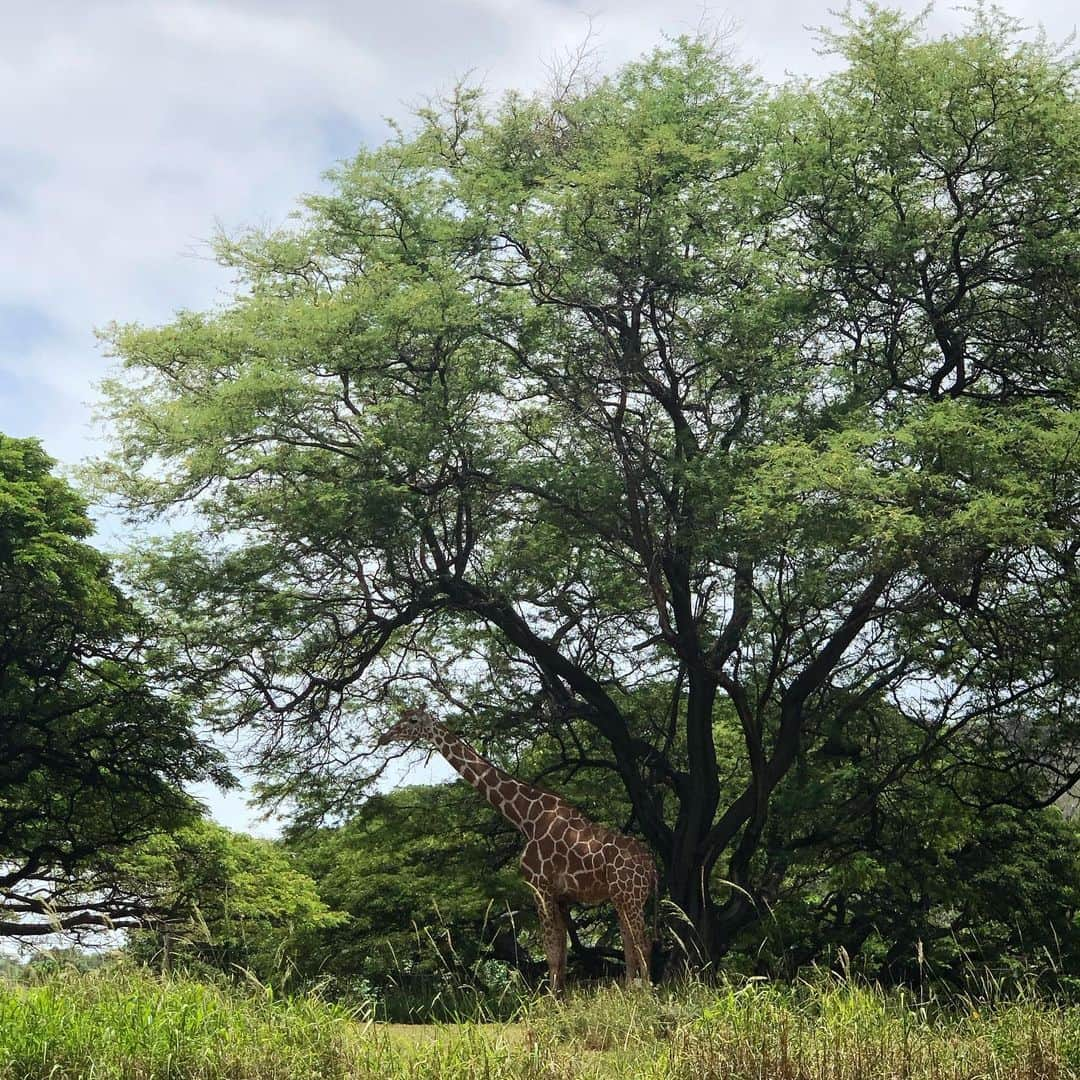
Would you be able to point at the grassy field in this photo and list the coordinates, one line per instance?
(127, 1024)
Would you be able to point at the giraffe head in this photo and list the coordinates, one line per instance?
(415, 725)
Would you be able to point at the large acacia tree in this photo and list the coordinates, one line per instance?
(672, 421)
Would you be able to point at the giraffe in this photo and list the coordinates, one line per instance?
(567, 858)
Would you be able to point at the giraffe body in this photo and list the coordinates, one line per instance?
(567, 858)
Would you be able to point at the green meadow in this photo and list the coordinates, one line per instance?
(126, 1024)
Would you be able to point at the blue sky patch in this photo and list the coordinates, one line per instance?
(23, 327)
(343, 136)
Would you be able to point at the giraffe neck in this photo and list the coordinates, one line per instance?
(510, 797)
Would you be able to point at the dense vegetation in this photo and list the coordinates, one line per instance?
(123, 1024)
(94, 755)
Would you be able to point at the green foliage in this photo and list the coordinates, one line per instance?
(432, 914)
(61, 960)
(919, 886)
(122, 1022)
(817, 1029)
(225, 901)
(925, 882)
(93, 755)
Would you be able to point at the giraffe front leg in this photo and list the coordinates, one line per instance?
(552, 917)
(553, 928)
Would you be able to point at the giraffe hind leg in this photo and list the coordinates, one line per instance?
(635, 947)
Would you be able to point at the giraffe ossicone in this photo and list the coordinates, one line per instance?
(567, 858)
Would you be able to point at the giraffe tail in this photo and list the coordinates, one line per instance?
(654, 938)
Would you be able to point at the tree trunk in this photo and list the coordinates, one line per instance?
(695, 932)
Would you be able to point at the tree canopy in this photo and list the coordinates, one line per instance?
(681, 424)
(424, 905)
(224, 901)
(93, 757)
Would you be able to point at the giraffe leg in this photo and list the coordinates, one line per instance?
(632, 928)
(552, 915)
(553, 927)
(564, 918)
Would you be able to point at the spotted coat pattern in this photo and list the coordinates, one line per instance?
(567, 858)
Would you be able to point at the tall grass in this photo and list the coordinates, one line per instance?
(127, 1023)
(823, 1031)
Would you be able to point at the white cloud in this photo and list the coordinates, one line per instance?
(133, 127)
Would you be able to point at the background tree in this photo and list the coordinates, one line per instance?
(224, 901)
(918, 879)
(93, 756)
(670, 420)
(929, 876)
(430, 910)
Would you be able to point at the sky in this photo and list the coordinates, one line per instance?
(132, 131)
